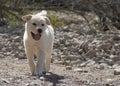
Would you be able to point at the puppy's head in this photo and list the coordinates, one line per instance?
(36, 24)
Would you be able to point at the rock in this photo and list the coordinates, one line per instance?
(8, 53)
(92, 84)
(16, 39)
(58, 62)
(84, 46)
(105, 46)
(83, 64)
(116, 46)
(109, 85)
(32, 84)
(22, 55)
(115, 58)
(91, 53)
(20, 47)
(116, 38)
(63, 85)
(91, 47)
(67, 62)
(80, 51)
(109, 62)
(80, 70)
(90, 62)
(116, 66)
(68, 68)
(28, 84)
(71, 57)
(5, 81)
(101, 67)
(109, 80)
(42, 78)
(117, 71)
(78, 61)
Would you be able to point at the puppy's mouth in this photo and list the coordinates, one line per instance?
(36, 36)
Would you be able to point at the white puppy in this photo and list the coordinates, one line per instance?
(38, 41)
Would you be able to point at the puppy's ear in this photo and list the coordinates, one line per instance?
(47, 21)
(27, 17)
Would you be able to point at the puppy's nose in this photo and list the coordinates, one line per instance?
(40, 30)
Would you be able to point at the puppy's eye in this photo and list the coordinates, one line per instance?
(34, 24)
(42, 24)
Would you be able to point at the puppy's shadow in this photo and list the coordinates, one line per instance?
(53, 78)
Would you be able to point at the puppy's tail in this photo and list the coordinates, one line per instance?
(42, 13)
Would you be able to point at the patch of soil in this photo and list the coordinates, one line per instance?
(15, 72)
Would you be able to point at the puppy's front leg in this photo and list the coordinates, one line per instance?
(40, 66)
(30, 61)
(48, 61)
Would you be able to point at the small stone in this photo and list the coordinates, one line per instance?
(92, 84)
(68, 68)
(115, 58)
(83, 64)
(91, 47)
(78, 70)
(22, 55)
(109, 80)
(8, 53)
(63, 85)
(105, 46)
(5, 81)
(27, 84)
(109, 62)
(58, 62)
(42, 78)
(101, 67)
(17, 38)
(109, 85)
(20, 47)
(117, 71)
(116, 38)
(71, 57)
(116, 66)
(91, 53)
(90, 62)
(33, 84)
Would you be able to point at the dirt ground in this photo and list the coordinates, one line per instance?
(15, 72)
(81, 57)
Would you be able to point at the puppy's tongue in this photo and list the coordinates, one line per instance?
(37, 36)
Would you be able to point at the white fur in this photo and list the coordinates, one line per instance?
(42, 48)
(42, 13)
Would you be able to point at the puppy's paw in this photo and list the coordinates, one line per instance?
(39, 73)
